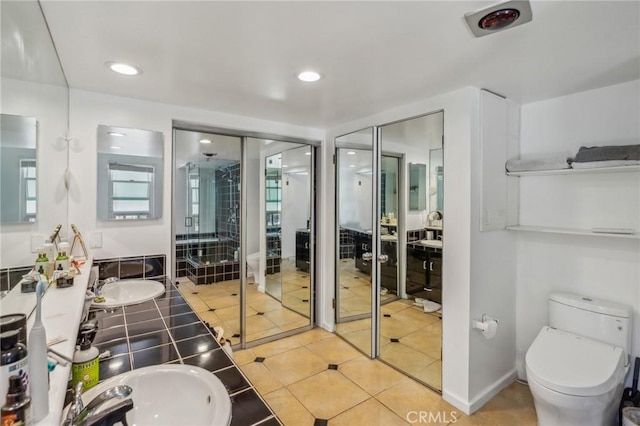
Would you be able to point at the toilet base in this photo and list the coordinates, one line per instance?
(557, 409)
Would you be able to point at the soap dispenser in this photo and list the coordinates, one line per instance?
(86, 364)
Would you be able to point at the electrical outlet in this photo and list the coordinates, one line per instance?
(37, 242)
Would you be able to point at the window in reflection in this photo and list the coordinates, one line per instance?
(28, 190)
(131, 191)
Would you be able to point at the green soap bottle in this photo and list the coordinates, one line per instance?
(42, 265)
(86, 365)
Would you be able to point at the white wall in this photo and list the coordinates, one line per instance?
(48, 104)
(603, 267)
(295, 210)
(87, 111)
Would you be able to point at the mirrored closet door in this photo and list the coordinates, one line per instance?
(389, 215)
(243, 220)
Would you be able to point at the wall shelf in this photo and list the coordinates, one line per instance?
(595, 170)
(571, 231)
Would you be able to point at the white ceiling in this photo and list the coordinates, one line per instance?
(241, 57)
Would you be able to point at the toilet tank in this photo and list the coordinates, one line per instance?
(597, 319)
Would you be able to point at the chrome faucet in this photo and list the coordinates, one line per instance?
(79, 415)
(97, 287)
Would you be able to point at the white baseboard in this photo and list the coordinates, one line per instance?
(469, 407)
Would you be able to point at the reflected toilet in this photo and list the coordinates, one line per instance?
(253, 263)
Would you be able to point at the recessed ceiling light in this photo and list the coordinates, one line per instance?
(351, 153)
(352, 165)
(205, 141)
(117, 134)
(307, 153)
(124, 69)
(116, 147)
(309, 76)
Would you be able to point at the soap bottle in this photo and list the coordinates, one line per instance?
(14, 360)
(86, 365)
(62, 262)
(17, 410)
(42, 265)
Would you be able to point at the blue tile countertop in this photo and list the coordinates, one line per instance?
(167, 331)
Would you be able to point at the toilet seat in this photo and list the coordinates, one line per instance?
(574, 365)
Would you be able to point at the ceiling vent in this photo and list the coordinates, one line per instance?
(499, 17)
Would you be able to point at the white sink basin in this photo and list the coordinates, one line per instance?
(432, 243)
(172, 395)
(128, 292)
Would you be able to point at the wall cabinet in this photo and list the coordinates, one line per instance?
(302, 250)
(363, 245)
(424, 272)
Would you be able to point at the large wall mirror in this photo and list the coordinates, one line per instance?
(34, 103)
(34, 107)
(130, 163)
(18, 189)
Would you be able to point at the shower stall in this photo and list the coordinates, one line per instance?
(211, 241)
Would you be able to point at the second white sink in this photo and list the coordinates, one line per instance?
(170, 395)
(128, 292)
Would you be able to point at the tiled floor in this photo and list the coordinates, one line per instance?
(316, 378)
(219, 305)
(410, 339)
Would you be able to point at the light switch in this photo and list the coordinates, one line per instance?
(95, 240)
(37, 242)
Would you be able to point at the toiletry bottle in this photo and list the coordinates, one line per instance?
(42, 265)
(86, 367)
(62, 262)
(49, 250)
(14, 360)
(17, 409)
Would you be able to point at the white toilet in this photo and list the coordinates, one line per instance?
(576, 366)
(253, 262)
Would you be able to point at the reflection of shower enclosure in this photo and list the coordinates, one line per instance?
(212, 220)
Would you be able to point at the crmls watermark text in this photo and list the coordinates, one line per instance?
(432, 417)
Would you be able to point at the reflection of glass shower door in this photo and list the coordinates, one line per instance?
(356, 270)
(191, 221)
(273, 209)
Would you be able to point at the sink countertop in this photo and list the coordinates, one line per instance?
(428, 243)
(167, 330)
(61, 315)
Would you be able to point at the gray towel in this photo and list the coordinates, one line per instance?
(606, 153)
(553, 163)
(606, 163)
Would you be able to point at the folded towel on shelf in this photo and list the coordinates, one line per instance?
(607, 153)
(609, 163)
(552, 163)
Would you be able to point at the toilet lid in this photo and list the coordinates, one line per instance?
(572, 364)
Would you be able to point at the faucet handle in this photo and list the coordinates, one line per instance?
(76, 406)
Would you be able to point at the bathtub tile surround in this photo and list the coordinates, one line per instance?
(165, 331)
(361, 390)
(209, 259)
(132, 267)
